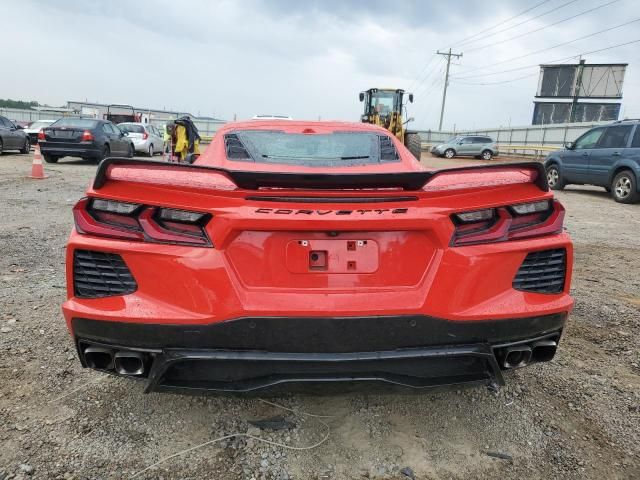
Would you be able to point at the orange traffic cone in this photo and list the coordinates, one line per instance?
(37, 170)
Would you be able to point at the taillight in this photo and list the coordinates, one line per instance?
(41, 135)
(87, 136)
(508, 223)
(133, 221)
(145, 135)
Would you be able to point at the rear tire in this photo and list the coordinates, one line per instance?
(449, 153)
(1, 147)
(27, 146)
(414, 143)
(151, 152)
(554, 178)
(132, 151)
(624, 188)
(106, 153)
(487, 155)
(50, 158)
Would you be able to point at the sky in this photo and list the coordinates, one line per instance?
(309, 59)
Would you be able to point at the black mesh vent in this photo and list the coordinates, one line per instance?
(388, 151)
(235, 149)
(542, 272)
(99, 274)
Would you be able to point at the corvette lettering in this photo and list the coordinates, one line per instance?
(288, 211)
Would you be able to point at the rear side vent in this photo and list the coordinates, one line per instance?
(99, 274)
(542, 272)
(235, 148)
(388, 151)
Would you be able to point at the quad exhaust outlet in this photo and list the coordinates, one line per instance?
(124, 362)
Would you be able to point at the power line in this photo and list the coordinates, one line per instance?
(550, 61)
(527, 20)
(464, 40)
(541, 28)
(496, 83)
(555, 46)
(433, 70)
(415, 80)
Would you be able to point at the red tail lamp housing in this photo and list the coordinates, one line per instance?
(41, 135)
(143, 223)
(87, 136)
(511, 222)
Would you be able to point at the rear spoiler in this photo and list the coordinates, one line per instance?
(252, 180)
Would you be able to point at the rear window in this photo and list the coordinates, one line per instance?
(75, 122)
(131, 128)
(332, 149)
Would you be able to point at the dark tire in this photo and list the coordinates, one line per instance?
(486, 155)
(50, 158)
(414, 143)
(132, 151)
(449, 153)
(624, 188)
(1, 147)
(554, 177)
(106, 153)
(26, 147)
(151, 151)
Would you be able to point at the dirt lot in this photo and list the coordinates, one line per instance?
(576, 417)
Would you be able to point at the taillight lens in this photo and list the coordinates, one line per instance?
(145, 135)
(87, 136)
(41, 135)
(133, 221)
(508, 223)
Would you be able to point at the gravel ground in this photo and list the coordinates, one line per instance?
(576, 417)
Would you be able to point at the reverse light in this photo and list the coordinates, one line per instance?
(87, 136)
(133, 221)
(510, 222)
(41, 135)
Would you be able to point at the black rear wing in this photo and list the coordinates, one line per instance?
(254, 180)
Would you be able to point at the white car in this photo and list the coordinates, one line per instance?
(146, 138)
(33, 129)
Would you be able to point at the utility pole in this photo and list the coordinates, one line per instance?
(446, 81)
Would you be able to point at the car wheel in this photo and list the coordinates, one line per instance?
(132, 151)
(449, 153)
(487, 155)
(554, 178)
(50, 158)
(624, 187)
(106, 153)
(1, 147)
(26, 147)
(151, 150)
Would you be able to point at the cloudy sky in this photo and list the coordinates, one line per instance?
(308, 59)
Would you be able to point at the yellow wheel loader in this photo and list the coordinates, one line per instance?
(384, 107)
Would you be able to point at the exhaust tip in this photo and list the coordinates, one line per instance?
(544, 350)
(515, 357)
(129, 363)
(99, 358)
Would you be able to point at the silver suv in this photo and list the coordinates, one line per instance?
(476, 146)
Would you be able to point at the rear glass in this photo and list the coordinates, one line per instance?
(131, 128)
(332, 149)
(75, 122)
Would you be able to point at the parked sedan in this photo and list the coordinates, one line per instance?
(146, 138)
(34, 128)
(12, 137)
(83, 137)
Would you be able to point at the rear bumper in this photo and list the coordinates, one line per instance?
(69, 150)
(250, 354)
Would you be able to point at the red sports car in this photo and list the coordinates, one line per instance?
(315, 252)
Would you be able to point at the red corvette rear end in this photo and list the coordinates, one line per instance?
(313, 252)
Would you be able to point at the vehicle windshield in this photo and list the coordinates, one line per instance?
(40, 124)
(131, 128)
(382, 102)
(332, 149)
(75, 122)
